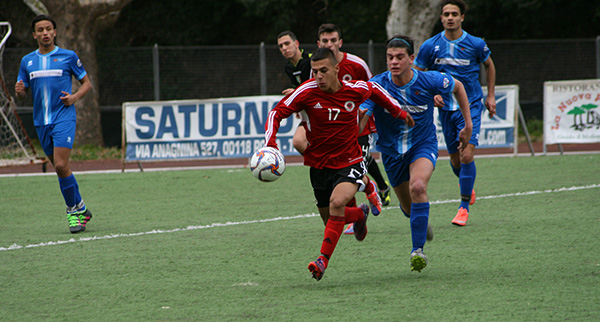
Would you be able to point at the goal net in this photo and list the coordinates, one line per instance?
(15, 145)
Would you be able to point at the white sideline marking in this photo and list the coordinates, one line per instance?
(158, 231)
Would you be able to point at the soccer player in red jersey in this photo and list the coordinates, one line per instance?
(337, 168)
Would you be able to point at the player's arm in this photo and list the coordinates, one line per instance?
(490, 77)
(382, 98)
(70, 99)
(463, 102)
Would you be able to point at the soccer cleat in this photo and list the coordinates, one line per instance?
(385, 196)
(461, 217)
(74, 223)
(418, 260)
(472, 201)
(317, 268)
(85, 217)
(374, 201)
(429, 236)
(349, 230)
(360, 227)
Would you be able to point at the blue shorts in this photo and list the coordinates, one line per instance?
(61, 134)
(398, 167)
(453, 122)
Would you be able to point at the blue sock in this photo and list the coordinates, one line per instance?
(419, 216)
(455, 170)
(70, 191)
(467, 181)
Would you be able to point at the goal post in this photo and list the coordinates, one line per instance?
(15, 145)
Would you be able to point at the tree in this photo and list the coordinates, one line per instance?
(413, 18)
(78, 23)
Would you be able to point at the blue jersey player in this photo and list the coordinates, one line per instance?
(409, 155)
(47, 72)
(459, 54)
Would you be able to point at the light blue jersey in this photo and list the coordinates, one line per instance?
(47, 76)
(460, 58)
(395, 137)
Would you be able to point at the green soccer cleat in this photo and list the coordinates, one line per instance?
(385, 196)
(418, 260)
(75, 225)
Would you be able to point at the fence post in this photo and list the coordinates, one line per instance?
(370, 55)
(156, 69)
(263, 69)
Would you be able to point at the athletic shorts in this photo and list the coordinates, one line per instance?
(398, 167)
(453, 122)
(325, 180)
(365, 145)
(61, 134)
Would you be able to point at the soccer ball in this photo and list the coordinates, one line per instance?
(267, 164)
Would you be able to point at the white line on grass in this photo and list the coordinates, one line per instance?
(158, 231)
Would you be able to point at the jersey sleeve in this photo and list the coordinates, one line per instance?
(77, 67)
(444, 83)
(483, 52)
(422, 60)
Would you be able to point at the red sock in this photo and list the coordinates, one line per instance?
(370, 187)
(353, 214)
(333, 230)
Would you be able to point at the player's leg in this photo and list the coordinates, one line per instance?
(420, 173)
(63, 134)
(373, 169)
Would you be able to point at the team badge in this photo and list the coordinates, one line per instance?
(349, 105)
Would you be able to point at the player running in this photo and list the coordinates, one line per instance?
(48, 72)
(459, 54)
(337, 168)
(409, 154)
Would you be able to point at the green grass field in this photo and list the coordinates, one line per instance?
(217, 245)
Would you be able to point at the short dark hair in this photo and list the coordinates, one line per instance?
(323, 53)
(287, 33)
(327, 28)
(42, 18)
(401, 41)
(459, 3)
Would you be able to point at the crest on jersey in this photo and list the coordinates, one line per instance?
(78, 62)
(349, 105)
(347, 77)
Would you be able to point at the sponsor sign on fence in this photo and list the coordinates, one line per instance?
(571, 113)
(235, 127)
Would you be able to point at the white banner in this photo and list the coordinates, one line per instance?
(196, 129)
(499, 131)
(571, 113)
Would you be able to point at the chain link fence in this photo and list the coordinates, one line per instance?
(174, 73)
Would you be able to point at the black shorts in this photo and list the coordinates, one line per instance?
(324, 180)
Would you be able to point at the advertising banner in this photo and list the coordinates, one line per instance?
(196, 129)
(571, 113)
(499, 131)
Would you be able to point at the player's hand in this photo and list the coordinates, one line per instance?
(67, 99)
(287, 91)
(20, 88)
(463, 138)
(409, 120)
(438, 101)
(490, 104)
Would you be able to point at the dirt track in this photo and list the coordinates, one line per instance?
(118, 165)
